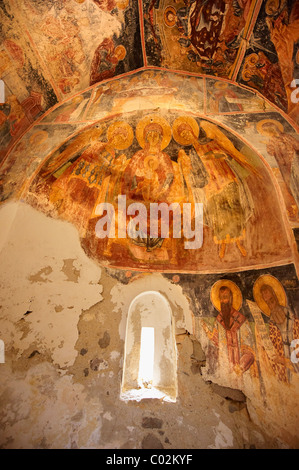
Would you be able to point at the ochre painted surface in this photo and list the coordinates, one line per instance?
(165, 158)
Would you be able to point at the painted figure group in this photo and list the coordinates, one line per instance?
(238, 349)
(206, 170)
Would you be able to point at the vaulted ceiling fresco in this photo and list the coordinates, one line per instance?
(75, 71)
(111, 103)
(51, 50)
(97, 146)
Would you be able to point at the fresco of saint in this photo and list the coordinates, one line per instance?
(285, 148)
(230, 332)
(150, 176)
(90, 179)
(271, 298)
(227, 202)
(105, 60)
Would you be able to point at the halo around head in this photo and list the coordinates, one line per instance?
(120, 50)
(221, 85)
(262, 131)
(170, 16)
(267, 279)
(153, 119)
(272, 7)
(122, 4)
(120, 128)
(237, 295)
(179, 123)
(38, 137)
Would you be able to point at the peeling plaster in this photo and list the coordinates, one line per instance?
(122, 296)
(223, 436)
(34, 280)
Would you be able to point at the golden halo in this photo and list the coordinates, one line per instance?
(184, 120)
(120, 128)
(153, 119)
(122, 4)
(259, 126)
(220, 85)
(237, 296)
(149, 159)
(276, 286)
(272, 7)
(250, 61)
(38, 137)
(77, 99)
(120, 50)
(167, 21)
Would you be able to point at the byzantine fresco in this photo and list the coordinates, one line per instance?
(252, 42)
(165, 157)
(83, 43)
(232, 107)
(143, 90)
(50, 50)
(278, 142)
(247, 322)
(224, 97)
(27, 92)
(197, 36)
(271, 61)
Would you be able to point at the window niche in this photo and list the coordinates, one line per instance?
(150, 361)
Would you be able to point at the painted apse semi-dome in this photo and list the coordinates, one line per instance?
(164, 137)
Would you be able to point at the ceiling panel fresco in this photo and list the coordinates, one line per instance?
(195, 35)
(271, 62)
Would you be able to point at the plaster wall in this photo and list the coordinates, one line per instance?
(63, 323)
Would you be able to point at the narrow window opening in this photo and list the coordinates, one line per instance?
(147, 354)
(150, 356)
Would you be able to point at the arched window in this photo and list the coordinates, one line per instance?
(150, 362)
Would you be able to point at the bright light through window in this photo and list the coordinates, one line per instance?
(147, 351)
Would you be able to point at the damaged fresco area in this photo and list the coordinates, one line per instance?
(44, 324)
(63, 323)
(277, 140)
(51, 50)
(82, 43)
(248, 326)
(28, 93)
